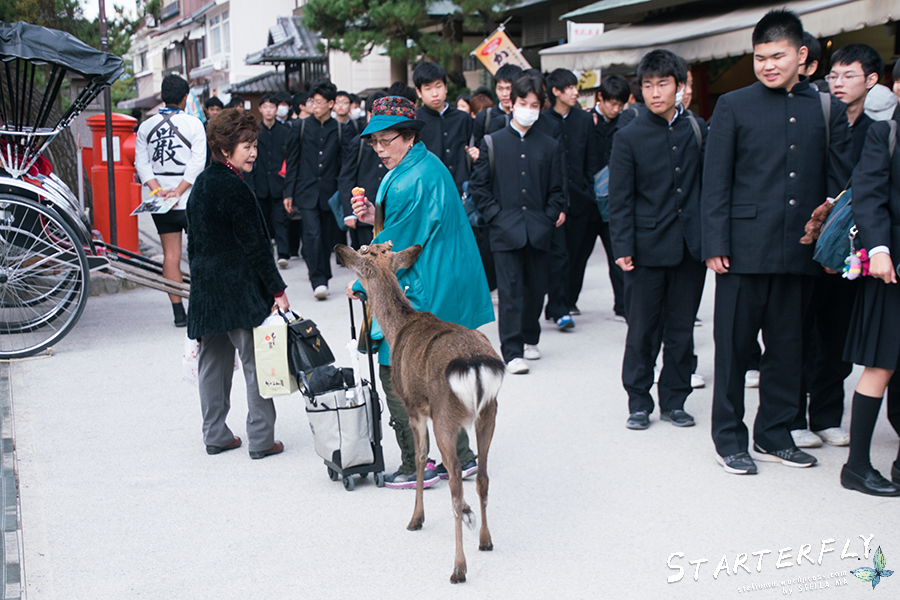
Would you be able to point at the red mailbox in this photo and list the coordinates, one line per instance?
(128, 191)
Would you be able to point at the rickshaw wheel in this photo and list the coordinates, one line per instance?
(44, 277)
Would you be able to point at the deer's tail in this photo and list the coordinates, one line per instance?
(476, 381)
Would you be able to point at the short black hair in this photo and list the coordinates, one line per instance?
(485, 91)
(467, 98)
(615, 87)
(342, 93)
(779, 25)
(508, 73)
(560, 79)
(896, 70)
(324, 88)
(636, 90)
(354, 99)
(174, 89)
(527, 85)
(213, 101)
(372, 98)
(282, 97)
(236, 100)
(428, 72)
(398, 88)
(813, 48)
(662, 63)
(268, 97)
(297, 100)
(865, 54)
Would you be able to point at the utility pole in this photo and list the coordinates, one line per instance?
(107, 112)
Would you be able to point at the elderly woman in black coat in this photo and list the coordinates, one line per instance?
(234, 284)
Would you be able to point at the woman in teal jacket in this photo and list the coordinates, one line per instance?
(417, 203)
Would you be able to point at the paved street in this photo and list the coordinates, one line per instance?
(119, 500)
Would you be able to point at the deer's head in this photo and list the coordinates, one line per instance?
(377, 260)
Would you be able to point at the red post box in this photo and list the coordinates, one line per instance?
(128, 192)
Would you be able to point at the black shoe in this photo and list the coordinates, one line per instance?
(739, 464)
(638, 420)
(895, 473)
(278, 448)
(872, 483)
(180, 315)
(574, 311)
(792, 457)
(678, 418)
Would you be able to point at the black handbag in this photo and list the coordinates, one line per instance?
(307, 348)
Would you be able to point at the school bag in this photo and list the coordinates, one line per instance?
(837, 235)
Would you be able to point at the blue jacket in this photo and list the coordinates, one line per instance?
(422, 206)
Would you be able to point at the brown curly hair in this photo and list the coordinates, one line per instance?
(228, 130)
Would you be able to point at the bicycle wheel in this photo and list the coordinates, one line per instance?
(44, 277)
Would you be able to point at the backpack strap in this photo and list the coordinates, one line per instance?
(359, 154)
(487, 120)
(892, 141)
(490, 148)
(825, 98)
(696, 127)
(506, 119)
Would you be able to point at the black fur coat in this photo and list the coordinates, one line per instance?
(233, 273)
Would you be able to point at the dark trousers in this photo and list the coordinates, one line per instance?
(746, 304)
(657, 296)
(487, 257)
(361, 236)
(316, 239)
(278, 221)
(295, 234)
(581, 236)
(825, 327)
(521, 285)
(558, 282)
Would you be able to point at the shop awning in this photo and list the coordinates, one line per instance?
(712, 37)
(145, 102)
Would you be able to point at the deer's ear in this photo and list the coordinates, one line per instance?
(405, 258)
(348, 256)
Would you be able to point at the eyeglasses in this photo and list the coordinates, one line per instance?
(321, 102)
(383, 143)
(848, 77)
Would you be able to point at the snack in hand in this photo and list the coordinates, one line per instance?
(358, 192)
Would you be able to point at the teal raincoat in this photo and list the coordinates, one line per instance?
(422, 206)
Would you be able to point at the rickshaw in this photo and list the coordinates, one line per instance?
(47, 246)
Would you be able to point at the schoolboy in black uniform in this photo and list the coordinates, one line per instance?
(855, 70)
(360, 167)
(447, 130)
(313, 165)
(613, 95)
(496, 118)
(520, 195)
(654, 222)
(771, 159)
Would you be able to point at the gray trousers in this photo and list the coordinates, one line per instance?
(216, 371)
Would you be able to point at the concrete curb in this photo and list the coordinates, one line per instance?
(11, 546)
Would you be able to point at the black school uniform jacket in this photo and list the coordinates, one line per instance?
(446, 136)
(654, 190)
(271, 145)
(312, 167)
(363, 170)
(767, 168)
(876, 192)
(604, 131)
(521, 200)
(580, 155)
(498, 120)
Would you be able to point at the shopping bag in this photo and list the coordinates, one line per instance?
(190, 361)
(270, 346)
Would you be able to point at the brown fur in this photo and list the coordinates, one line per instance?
(422, 349)
(814, 225)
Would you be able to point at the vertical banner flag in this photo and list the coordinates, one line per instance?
(498, 50)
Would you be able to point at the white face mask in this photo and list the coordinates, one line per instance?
(282, 111)
(679, 96)
(526, 117)
(356, 113)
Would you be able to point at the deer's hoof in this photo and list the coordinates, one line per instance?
(415, 524)
(468, 518)
(486, 546)
(459, 575)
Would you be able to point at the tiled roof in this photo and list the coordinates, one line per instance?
(273, 81)
(288, 41)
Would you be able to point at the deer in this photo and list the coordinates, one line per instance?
(442, 371)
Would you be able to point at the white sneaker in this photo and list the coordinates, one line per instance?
(697, 381)
(804, 438)
(517, 366)
(656, 372)
(321, 292)
(834, 436)
(532, 352)
(495, 298)
(751, 379)
(283, 263)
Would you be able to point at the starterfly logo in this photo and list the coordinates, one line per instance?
(873, 575)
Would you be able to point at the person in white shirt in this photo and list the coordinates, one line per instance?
(170, 151)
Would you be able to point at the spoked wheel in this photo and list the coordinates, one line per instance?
(44, 277)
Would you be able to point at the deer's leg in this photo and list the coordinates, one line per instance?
(445, 434)
(419, 426)
(484, 431)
